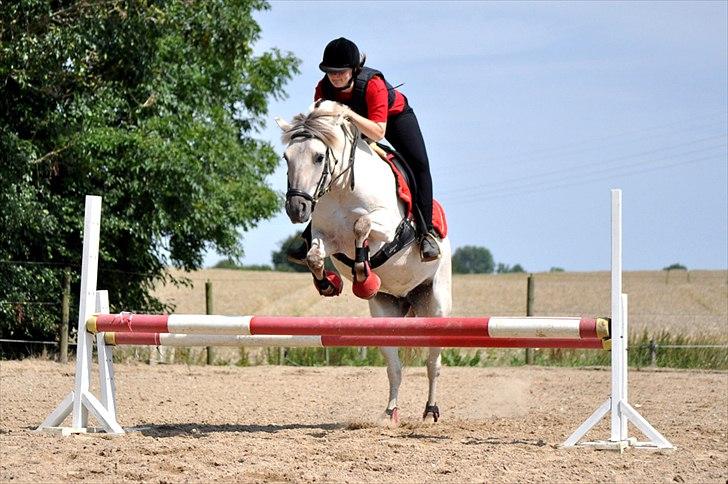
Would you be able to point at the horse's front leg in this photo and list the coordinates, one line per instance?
(394, 374)
(327, 283)
(384, 305)
(366, 282)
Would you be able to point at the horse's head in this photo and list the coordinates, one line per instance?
(311, 140)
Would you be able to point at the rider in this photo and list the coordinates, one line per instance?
(379, 111)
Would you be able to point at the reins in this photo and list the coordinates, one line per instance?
(322, 187)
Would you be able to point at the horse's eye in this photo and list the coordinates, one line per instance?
(319, 158)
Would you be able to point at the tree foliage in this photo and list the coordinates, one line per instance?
(508, 269)
(279, 257)
(675, 267)
(229, 263)
(152, 105)
(471, 259)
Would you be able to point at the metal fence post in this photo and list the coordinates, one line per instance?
(529, 312)
(209, 310)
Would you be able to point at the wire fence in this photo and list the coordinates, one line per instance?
(654, 347)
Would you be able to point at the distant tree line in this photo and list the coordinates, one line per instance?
(472, 259)
(468, 259)
(231, 264)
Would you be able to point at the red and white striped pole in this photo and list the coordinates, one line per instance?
(566, 328)
(185, 340)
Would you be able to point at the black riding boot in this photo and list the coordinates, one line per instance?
(429, 248)
(297, 252)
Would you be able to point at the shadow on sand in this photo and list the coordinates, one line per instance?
(200, 430)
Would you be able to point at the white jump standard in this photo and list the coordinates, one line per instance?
(205, 330)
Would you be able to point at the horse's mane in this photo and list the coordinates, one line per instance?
(312, 124)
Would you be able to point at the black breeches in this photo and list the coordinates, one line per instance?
(403, 133)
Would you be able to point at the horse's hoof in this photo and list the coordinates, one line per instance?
(393, 415)
(331, 285)
(431, 410)
(368, 288)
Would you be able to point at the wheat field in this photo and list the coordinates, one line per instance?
(693, 303)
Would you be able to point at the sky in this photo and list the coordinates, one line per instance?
(531, 112)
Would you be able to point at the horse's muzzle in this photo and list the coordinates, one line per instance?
(298, 209)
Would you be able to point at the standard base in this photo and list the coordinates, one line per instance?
(657, 440)
(90, 404)
(68, 431)
(621, 446)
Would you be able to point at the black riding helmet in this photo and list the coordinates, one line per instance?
(341, 54)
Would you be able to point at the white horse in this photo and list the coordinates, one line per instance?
(348, 191)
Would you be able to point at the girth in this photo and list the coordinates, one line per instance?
(403, 237)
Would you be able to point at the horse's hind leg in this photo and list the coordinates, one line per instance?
(385, 305)
(433, 299)
(433, 371)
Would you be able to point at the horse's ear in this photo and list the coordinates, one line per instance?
(315, 105)
(283, 124)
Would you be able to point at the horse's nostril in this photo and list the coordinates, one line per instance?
(298, 209)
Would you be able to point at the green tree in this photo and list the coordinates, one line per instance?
(507, 269)
(471, 259)
(153, 105)
(230, 263)
(675, 267)
(279, 258)
(518, 268)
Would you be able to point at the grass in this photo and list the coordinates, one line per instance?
(640, 355)
(644, 351)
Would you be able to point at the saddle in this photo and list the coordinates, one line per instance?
(405, 182)
(406, 233)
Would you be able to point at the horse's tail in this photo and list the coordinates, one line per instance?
(413, 356)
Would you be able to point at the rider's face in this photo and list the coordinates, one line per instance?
(340, 79)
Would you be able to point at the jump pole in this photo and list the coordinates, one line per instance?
(565, 332)
(490, 327)
(326, 341)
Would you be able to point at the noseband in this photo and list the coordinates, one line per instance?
(322, 187)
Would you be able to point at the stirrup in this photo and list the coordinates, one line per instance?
(429, 248)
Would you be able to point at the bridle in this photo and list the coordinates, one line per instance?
(326, 182)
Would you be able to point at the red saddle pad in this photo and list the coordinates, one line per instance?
(439, 222)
